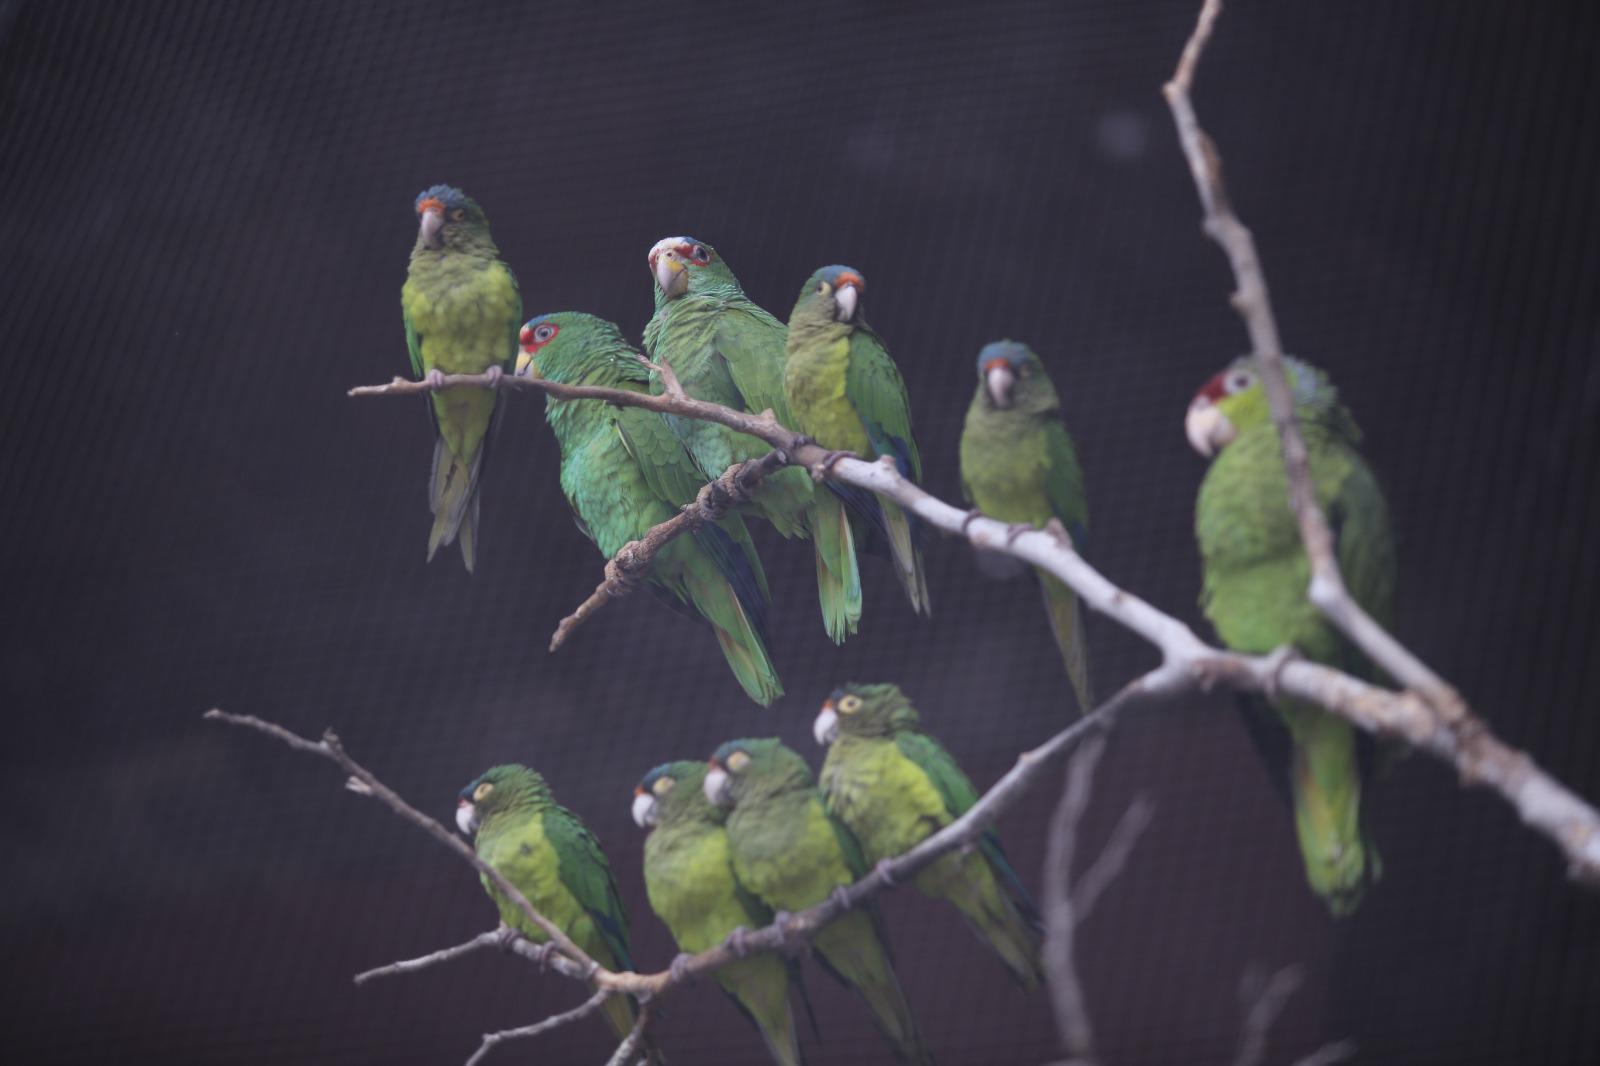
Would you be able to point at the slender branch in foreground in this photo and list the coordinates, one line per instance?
(1264, 1000)
(493, 938)
(555, 1021)
(1061, 922)
(630, 1044)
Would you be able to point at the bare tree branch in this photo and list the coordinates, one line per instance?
(1264, 1000)
(1113, 857)
(630, 1044)
(1330, 1053)
(493, 938)
(555, 1021)
(1061, 923)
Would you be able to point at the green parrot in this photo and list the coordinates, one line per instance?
(793, 854)
(893, 786)
(725, 349)
(1018, 465)
(847, 395)
(1254, 592)
(688, 873)
(623, 471)
(461, 309)
(542, 848)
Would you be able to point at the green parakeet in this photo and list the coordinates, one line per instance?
(894, 785)
(623, 471)
(688, 873)
(725, 349)
(1254, 592)
(1019, 465)
(461, 309)
(847, 395)
(553, 859)
(792, 854)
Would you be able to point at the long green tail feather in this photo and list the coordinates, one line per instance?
(1325, 780)
(853, 953)
(907, 556)
(838, 576)
(968, 883)
(762, 995)
(1066, 622)
(453, 498)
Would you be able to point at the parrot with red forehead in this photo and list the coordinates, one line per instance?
(462, 310)
(725, 349)
(1255, 578)
(847, 395)
(1018, 465)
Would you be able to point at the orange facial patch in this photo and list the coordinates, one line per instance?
(432, 203)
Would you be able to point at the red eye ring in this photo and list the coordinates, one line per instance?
(532, 337)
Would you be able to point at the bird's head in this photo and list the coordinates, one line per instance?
(834, 293)
(498, 790)
(673, 791)
(448, 217)
(566, 347)
(1009, 371)
(743, 770)
(858, 710)
(681, 265)
(1234, 401)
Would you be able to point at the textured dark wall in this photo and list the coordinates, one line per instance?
(207, 212)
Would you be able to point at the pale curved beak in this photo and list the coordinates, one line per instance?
(672, 277)
(644, 810)
(526, 367)
(432, 222)
(845, 300)
(716, 787)
(466, 817)
(998, 378)
(826, 727)
(1208, 429)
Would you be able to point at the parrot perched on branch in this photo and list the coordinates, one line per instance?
(725, 349)
(461, 309)
(792, 854)
(1018, 465)
(847, 395)
(1254, 591)
(556, 863)
(623, 471)
(892, 786)
(688, 873)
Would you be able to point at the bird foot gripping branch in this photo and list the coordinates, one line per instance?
(822, 469)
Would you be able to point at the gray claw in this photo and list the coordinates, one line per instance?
(736, 941)
(884, 869)
(494, 374)
(434, 378)
(678, 968)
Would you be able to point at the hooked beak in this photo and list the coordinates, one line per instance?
(1208, 429)
(466, 817)
(526, 367)
(644, 809)
(672, 277)
(826, 727)
(998, 378)
(845, 300)
(432, 212)
(716, 786)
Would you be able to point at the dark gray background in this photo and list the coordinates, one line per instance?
(206, 219)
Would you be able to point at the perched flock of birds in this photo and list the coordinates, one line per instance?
(749, 835)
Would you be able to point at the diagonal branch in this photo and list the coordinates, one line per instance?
(555, 1021)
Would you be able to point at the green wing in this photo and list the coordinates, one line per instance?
(752, 342)
(587, 875)
(414, 342)
(668, 468)
(878, 393)
(1064, 481)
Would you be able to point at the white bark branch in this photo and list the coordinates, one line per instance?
(555, 1021)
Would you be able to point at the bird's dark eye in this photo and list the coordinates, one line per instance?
(850, 704)
(459, 214)
(700, 254)
(822, 288)
(1239, 381)
(544, 333)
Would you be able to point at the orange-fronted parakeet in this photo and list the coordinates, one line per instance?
(556, 863)
(1019, 465)
(623, 471)
(793, 854)
(725, 349)
(688, 873)
(1254, 592)
(894, 785)
(461, 309)
(847, 395)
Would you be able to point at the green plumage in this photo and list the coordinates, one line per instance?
(725, 349)
(688, 873)
(793, 855)
(893, 786)
(624, 471)
(847, 395)
(556, 863)
(1256, 575)
(461, 309)
(1018, 465)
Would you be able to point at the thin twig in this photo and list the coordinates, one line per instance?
(630, 1044)
(555, 1021)
(1328, 1054)
(1264, 1001)
(493, 938)
(1061, 923)
(1113, 857)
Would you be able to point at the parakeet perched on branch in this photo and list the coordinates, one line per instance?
(1256, 576)
(461, 309)
(688, 872)
(623, 471)
(847, 395)
(553, 859)
(893, 786)
(725, 349)
(1018, 465)
(792, 854)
